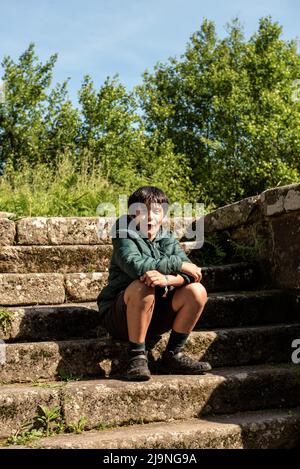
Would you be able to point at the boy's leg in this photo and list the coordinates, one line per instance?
(140, 301)
(188, 303)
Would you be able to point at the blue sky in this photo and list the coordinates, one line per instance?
(105, 37)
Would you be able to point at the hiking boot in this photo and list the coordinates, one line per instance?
(137, 368)
(179, 363)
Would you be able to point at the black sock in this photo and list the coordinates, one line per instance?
(176, 341)
(136, 348)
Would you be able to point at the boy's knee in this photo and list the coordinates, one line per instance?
(138, 290)
(197, 292)
(200, 293)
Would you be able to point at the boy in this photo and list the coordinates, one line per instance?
(152, 287)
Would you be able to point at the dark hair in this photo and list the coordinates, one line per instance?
(148, 195)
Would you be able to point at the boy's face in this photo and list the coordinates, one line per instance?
(149, 219)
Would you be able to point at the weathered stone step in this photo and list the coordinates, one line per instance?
(97, 357)
(47, 288)
(59, 259)
(51, 322)
(250, 430)
(70, 230)
(74, 320)
(60, 230)
(238, 276)
(50, 288)
(249, 308)
(114, 403)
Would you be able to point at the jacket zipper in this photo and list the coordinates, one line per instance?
(153, 249)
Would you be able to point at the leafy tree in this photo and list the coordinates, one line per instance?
(35, 124)
(216, 124)
(113, 132)
(110, 128)
(227, 105)
(59, 159)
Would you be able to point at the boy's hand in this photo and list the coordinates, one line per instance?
(192, 269)
(153, 278)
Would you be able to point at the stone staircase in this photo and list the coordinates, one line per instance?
(57, 355)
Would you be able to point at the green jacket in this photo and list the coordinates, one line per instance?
(134, 255)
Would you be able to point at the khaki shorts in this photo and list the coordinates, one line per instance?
(114, 319)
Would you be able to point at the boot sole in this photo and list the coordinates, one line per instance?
(164, 369)
(138, 378)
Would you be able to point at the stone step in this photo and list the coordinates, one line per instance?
(58, 259)
(110, 402)
(48, 288)
(238, 276)
(75, 230)
(51, 322)
(24, 362)
(61, 230)
(249, 308)
(74, 320)
(248, 430)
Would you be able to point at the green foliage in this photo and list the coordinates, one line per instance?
(213, 252)
(47, 422)
(227, 105)
(25, 434)
(6, 318)
(49, 419)
(58, 160)
(42, 191)
(64, 376)
(45, 385)
(79, 426)
(35, 124)
(219, 249)
(217, 124)
(248, 252)
(102, 426)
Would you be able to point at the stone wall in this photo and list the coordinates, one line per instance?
(270, 223)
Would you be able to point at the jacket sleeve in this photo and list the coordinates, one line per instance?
(128, 257)
(178, 251)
